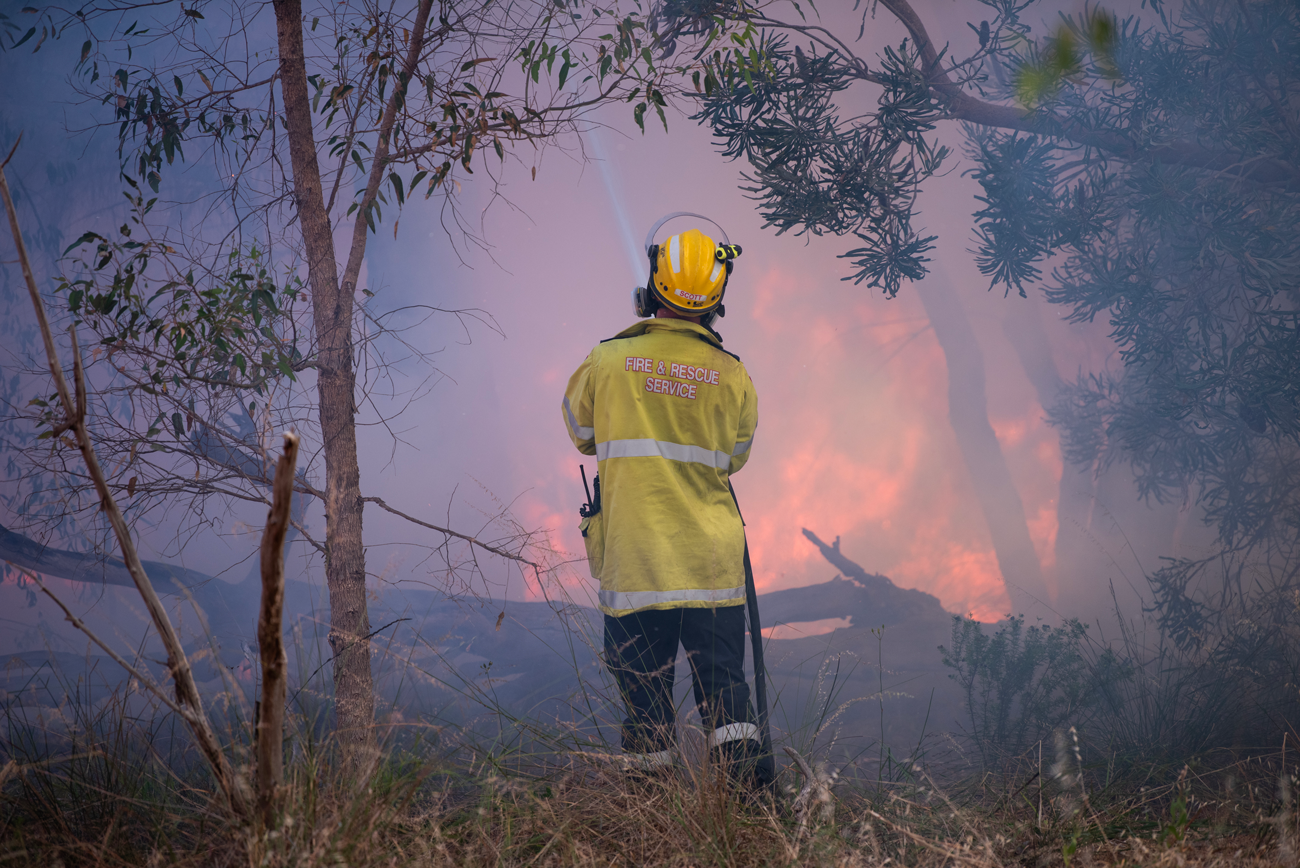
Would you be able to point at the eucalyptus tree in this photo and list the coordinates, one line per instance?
(1144, 169)
(222, 307)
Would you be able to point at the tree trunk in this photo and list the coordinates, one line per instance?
(1076, 549)
(1106, 538)
(345, 560)
(968, 412)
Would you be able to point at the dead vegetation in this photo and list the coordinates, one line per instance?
(115, 787)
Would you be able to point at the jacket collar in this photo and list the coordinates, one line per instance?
(665, 324)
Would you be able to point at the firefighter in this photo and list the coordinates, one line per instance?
(670, 416)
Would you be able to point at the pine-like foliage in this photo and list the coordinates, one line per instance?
(1184, 235)
(1146, 171)
(815, 170)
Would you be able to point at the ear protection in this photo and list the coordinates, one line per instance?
(644, 301)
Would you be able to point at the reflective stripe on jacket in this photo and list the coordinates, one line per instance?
(669, 416)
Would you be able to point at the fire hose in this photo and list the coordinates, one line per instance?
(767, 760)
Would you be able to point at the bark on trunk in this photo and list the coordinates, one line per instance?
(968, 411)
(345, 562)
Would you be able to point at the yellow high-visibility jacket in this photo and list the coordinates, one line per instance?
(670, 416)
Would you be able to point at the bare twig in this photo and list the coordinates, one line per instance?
(372, 634)
(188, 701)
(499, 552)
(145, 681)
(270, 722)
(815, 802)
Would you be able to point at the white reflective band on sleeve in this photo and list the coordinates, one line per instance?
(578, 431)
(647, 761)
(662, 449)
(733, 732)
(640, 599)
(742, 448)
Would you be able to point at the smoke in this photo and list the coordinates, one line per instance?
(854, 439)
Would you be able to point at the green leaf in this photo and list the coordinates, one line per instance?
(470, 64)
(192, 13)
(397, 187)
(85, 51)
(28, 35)
(89, 236)
(180, 88)
(177, 425)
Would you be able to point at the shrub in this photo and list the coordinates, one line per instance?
(1022, 683)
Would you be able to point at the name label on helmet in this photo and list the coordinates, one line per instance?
(690, 296)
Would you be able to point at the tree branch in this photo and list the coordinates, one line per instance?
(147, 682)
(379, 160)
(499, 552)
(962, 106)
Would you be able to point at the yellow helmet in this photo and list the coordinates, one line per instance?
(688, 272)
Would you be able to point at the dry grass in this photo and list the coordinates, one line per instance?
(67, 813)
(117, 784)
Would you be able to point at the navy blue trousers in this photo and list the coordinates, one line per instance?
(641, 652)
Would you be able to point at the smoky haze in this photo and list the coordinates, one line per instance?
(860, 438)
